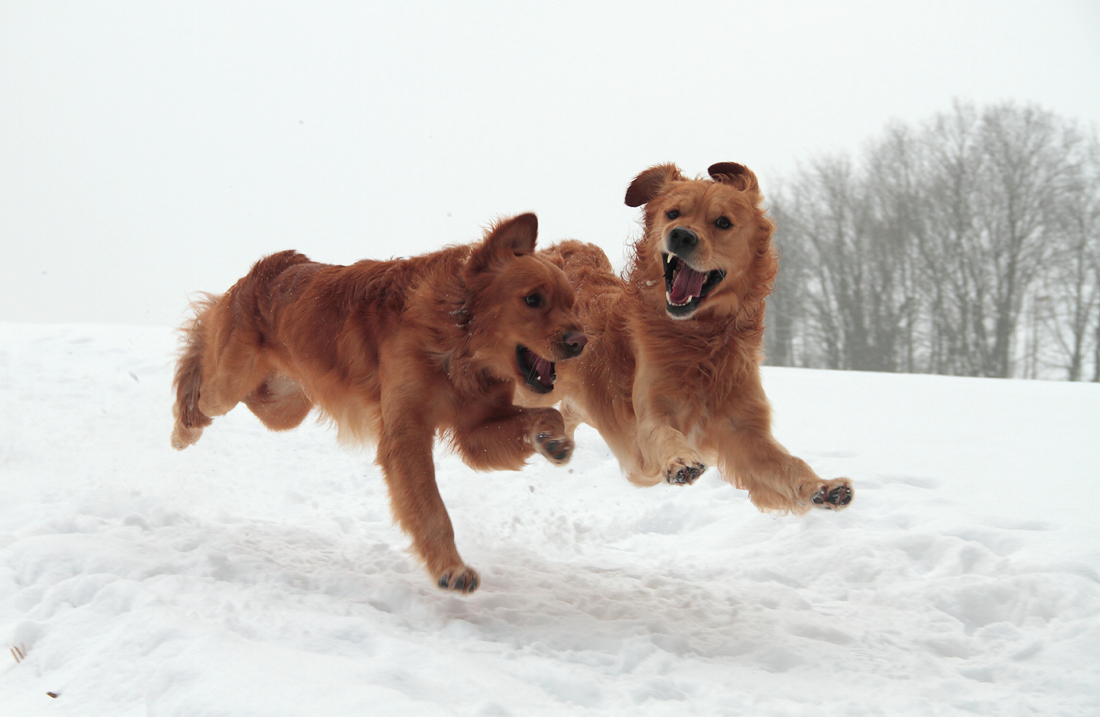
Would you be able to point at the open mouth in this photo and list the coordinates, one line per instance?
(685, 287)
(537, 372)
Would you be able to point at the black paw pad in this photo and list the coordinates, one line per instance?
(685, 475)
(463, 583)
(838, 495)
(558, 449)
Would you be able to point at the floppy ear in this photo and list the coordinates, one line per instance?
(507, 239)
(649, 184)
(735, 174)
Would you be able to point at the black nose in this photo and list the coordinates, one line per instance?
(574, 342)
(682, 240)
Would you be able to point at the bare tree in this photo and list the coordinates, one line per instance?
(851, 276)
(1071, 283)
(895, 167)
(1025, 175)
(785, 315)
(925, 256)
(952, 286)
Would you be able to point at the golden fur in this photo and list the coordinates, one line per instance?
(671, 375)
(394, 352)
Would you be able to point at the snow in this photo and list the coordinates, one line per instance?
(260, 574)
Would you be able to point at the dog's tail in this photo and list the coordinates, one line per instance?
(189, 419)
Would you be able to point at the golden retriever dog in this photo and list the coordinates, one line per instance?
(671, 375)
(394, 352)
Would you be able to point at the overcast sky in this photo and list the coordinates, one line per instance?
(150, 150)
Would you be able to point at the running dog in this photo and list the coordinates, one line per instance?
(671, 375)
(394, 352)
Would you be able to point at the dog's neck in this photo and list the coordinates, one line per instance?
(467, 371)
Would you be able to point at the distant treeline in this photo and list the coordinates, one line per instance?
(969, 245)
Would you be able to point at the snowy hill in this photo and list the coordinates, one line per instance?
(260, 574)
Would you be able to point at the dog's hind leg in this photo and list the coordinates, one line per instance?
(220, 365)
(189, 418)
(236, 371)
(279, 402)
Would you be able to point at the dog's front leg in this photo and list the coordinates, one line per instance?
(506, 437)
(664, 451)
(750, 458)
(405, 455)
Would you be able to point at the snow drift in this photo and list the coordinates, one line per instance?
(260, 573)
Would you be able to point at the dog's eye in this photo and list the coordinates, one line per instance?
(723, 223)
(672, 213)
(533, 300)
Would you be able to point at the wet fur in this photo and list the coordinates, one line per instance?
(393, 352)
(671, 396)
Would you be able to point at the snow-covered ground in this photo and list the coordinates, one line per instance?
(260, 574)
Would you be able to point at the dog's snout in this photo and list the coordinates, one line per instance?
(574, 342)
(682, 240)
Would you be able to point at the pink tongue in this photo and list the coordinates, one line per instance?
(543, 367)
(687, 285)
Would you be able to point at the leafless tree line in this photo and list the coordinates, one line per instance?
(969, 245)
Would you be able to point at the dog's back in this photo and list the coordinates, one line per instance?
(595, 284)
(293, 333)
(596, 387)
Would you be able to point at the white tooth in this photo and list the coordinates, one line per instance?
(668, 299)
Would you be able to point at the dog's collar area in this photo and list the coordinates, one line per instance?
(685, 286)
(538, 373)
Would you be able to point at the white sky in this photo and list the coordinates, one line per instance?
(151, 150)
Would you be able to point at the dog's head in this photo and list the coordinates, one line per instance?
(520, 306)
(707, 246)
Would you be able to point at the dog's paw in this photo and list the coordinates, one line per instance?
(182, 436)
(832, 494)
(460, 579)
(557, 448)
(684, 471)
